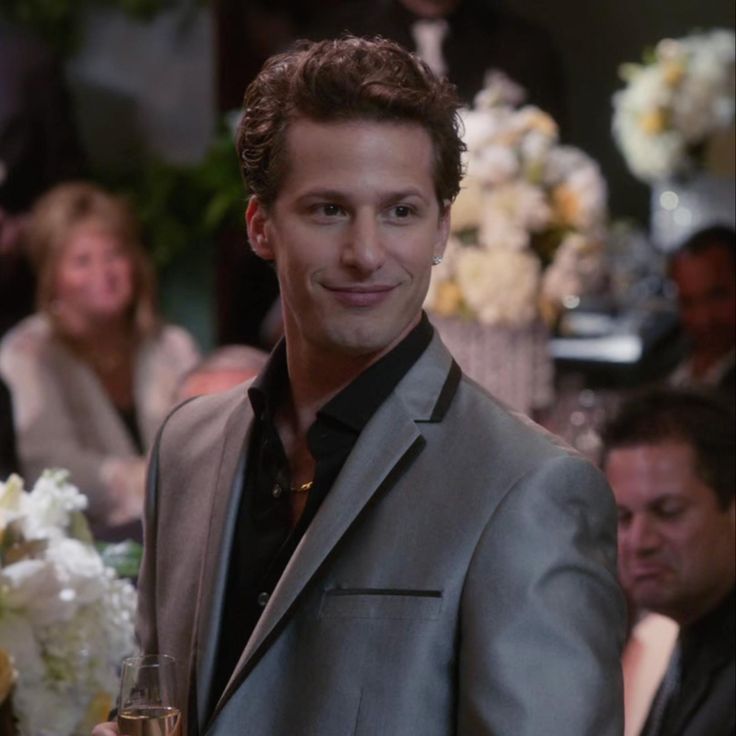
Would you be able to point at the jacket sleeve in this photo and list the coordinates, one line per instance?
(542, 615)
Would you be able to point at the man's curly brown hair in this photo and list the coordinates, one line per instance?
(346, 80)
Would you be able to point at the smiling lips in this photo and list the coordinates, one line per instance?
(646, 572)
(361, 295)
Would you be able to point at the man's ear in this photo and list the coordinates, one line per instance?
(443, 230)
(256, 220)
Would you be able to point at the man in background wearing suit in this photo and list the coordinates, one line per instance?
(703, 270)
(362, 541)
(669, 457)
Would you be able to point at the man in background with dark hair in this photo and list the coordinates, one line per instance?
(669, 457)
(704, 272)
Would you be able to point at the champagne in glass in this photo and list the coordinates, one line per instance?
(148, 697)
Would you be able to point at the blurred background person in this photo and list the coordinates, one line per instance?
(669, 456)
(223, 368)
(93, 372)
(704, 271)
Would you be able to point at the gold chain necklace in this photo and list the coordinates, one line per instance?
(303, 488)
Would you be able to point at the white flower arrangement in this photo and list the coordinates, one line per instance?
(529, 221)
(674, 102)
(66, 620)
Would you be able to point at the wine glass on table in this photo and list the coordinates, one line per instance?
(147, 704)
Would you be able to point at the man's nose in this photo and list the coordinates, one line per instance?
(363, 249)
(643, 536)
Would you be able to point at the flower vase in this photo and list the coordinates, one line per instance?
(512, 363)
(681, 207)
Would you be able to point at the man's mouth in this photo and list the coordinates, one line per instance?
(361, 295)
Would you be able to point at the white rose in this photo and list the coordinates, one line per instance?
(523, 204)
(500, 285)
(50, 504)
(34, 587)
(81, 568)
(499, 89)
(494, 164)
(499, 231)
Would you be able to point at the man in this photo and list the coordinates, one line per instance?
(669, 457)
(704, 272)
(364, 542)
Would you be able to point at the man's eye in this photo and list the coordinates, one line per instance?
(330, 210)
(670, 512)
(624, 517)
(401, 211)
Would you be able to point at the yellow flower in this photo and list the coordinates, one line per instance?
(673, 71)
(566, 204)
(448, 300)
(653, 122)
(7, 675)
(536, 119)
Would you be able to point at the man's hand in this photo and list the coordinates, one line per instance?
(106, 729)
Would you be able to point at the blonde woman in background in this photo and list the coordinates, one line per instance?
(94, 372)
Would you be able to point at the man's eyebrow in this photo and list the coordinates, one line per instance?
(321, 194)
(667, 496)
(337, 195)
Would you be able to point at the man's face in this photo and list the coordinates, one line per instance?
(352, 231)
(676, 545)
(706, 284)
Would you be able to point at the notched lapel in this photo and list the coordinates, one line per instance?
(390, 440)
(368, 468)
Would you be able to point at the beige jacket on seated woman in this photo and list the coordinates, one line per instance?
(64, 418)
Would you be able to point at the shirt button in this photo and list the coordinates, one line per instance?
(276, 491)
(263, 599)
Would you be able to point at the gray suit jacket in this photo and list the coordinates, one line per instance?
(459, 577)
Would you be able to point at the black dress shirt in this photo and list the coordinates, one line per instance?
(265, 538)
(706, 682)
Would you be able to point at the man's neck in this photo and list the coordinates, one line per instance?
(315, 379)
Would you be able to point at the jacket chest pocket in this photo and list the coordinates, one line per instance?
(381, 603)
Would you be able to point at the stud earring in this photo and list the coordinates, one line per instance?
(436, 260)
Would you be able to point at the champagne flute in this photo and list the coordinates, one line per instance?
(147, 704)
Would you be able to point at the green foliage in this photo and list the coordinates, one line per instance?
(184, 206)
(123, 557)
